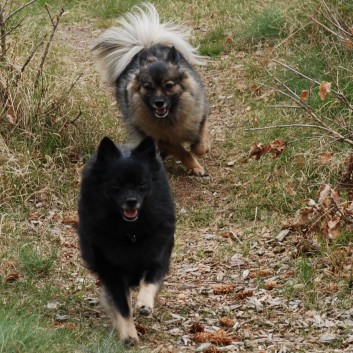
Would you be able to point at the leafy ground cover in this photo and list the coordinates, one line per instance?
(264, 244)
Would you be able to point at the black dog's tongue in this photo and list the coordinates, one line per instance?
(130, 214)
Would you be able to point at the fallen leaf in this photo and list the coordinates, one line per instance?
(348, 43)
(256, 89)
(327, 338)
(258, 150)
(12, 277)
(277, 147)
(326, 158)
(324, 89)
(282, 234)
(228, 41)
(304, 94)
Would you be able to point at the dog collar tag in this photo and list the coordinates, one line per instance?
(132, 237)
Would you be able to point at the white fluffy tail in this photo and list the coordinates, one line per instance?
(140, 28)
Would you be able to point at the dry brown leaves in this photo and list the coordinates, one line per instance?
(219, 337)
(226, 322)
(276, 148)
(223, 289)
(329, 215)
(244, 294)
(197, 327)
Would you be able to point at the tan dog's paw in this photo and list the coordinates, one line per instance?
(197, 171)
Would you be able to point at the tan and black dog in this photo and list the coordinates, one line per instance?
(159, 92)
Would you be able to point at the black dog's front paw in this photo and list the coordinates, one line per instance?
(144, 310)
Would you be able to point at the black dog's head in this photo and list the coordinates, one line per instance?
(126, 176)
(160, 82)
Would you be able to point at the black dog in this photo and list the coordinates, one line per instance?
(126, 227)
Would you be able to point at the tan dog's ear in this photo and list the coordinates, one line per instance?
(173, 56)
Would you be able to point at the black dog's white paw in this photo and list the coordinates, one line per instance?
(144, 310)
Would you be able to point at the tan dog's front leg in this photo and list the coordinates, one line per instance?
(193, 167)
(203, 144)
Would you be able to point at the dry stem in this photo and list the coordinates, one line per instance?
(46, 50)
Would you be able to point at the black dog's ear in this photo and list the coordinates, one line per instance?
(173, 56)
(146, 149)
(107, 150)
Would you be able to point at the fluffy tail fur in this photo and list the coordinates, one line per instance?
(139, 29)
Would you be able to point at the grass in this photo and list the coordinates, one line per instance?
(49, 131)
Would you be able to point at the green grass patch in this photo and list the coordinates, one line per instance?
(213, 42)
(267, 25)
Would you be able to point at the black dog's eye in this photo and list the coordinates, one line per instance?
(169, 85)
(116, 186)
(142, 185)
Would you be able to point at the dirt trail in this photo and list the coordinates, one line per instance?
(238, 272)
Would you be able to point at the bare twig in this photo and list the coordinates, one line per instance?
(49, 14)
(327, 28)
(292, 95)
(334, 22)
(338, 93)
(3, 36)
(74, 83)
(71, 122)
(19, 9)
(287, 126)
(46, 50)
(30, 56)
(11, 29)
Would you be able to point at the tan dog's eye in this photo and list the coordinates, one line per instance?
(169, 85)
(148, 87)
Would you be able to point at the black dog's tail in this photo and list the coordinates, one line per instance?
(139, 29)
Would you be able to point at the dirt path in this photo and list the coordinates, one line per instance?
(226, 274)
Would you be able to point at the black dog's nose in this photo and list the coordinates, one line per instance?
(131, 202)
(159, 102)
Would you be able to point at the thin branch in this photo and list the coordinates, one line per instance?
(3, 37)
(336, 23)
(74, 83)
(12, 29)
(30, 56)
(49, 14)
(327, 28)
(284, 106)
(46, 50)
(287, 126)
(309, 110)
(338, 93)
(19, 9)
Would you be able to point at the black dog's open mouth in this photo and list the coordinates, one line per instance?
(161, 112)
(130, 215)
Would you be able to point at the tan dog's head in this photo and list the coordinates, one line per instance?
(160, 83)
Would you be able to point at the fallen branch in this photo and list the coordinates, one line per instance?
(287, 126)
